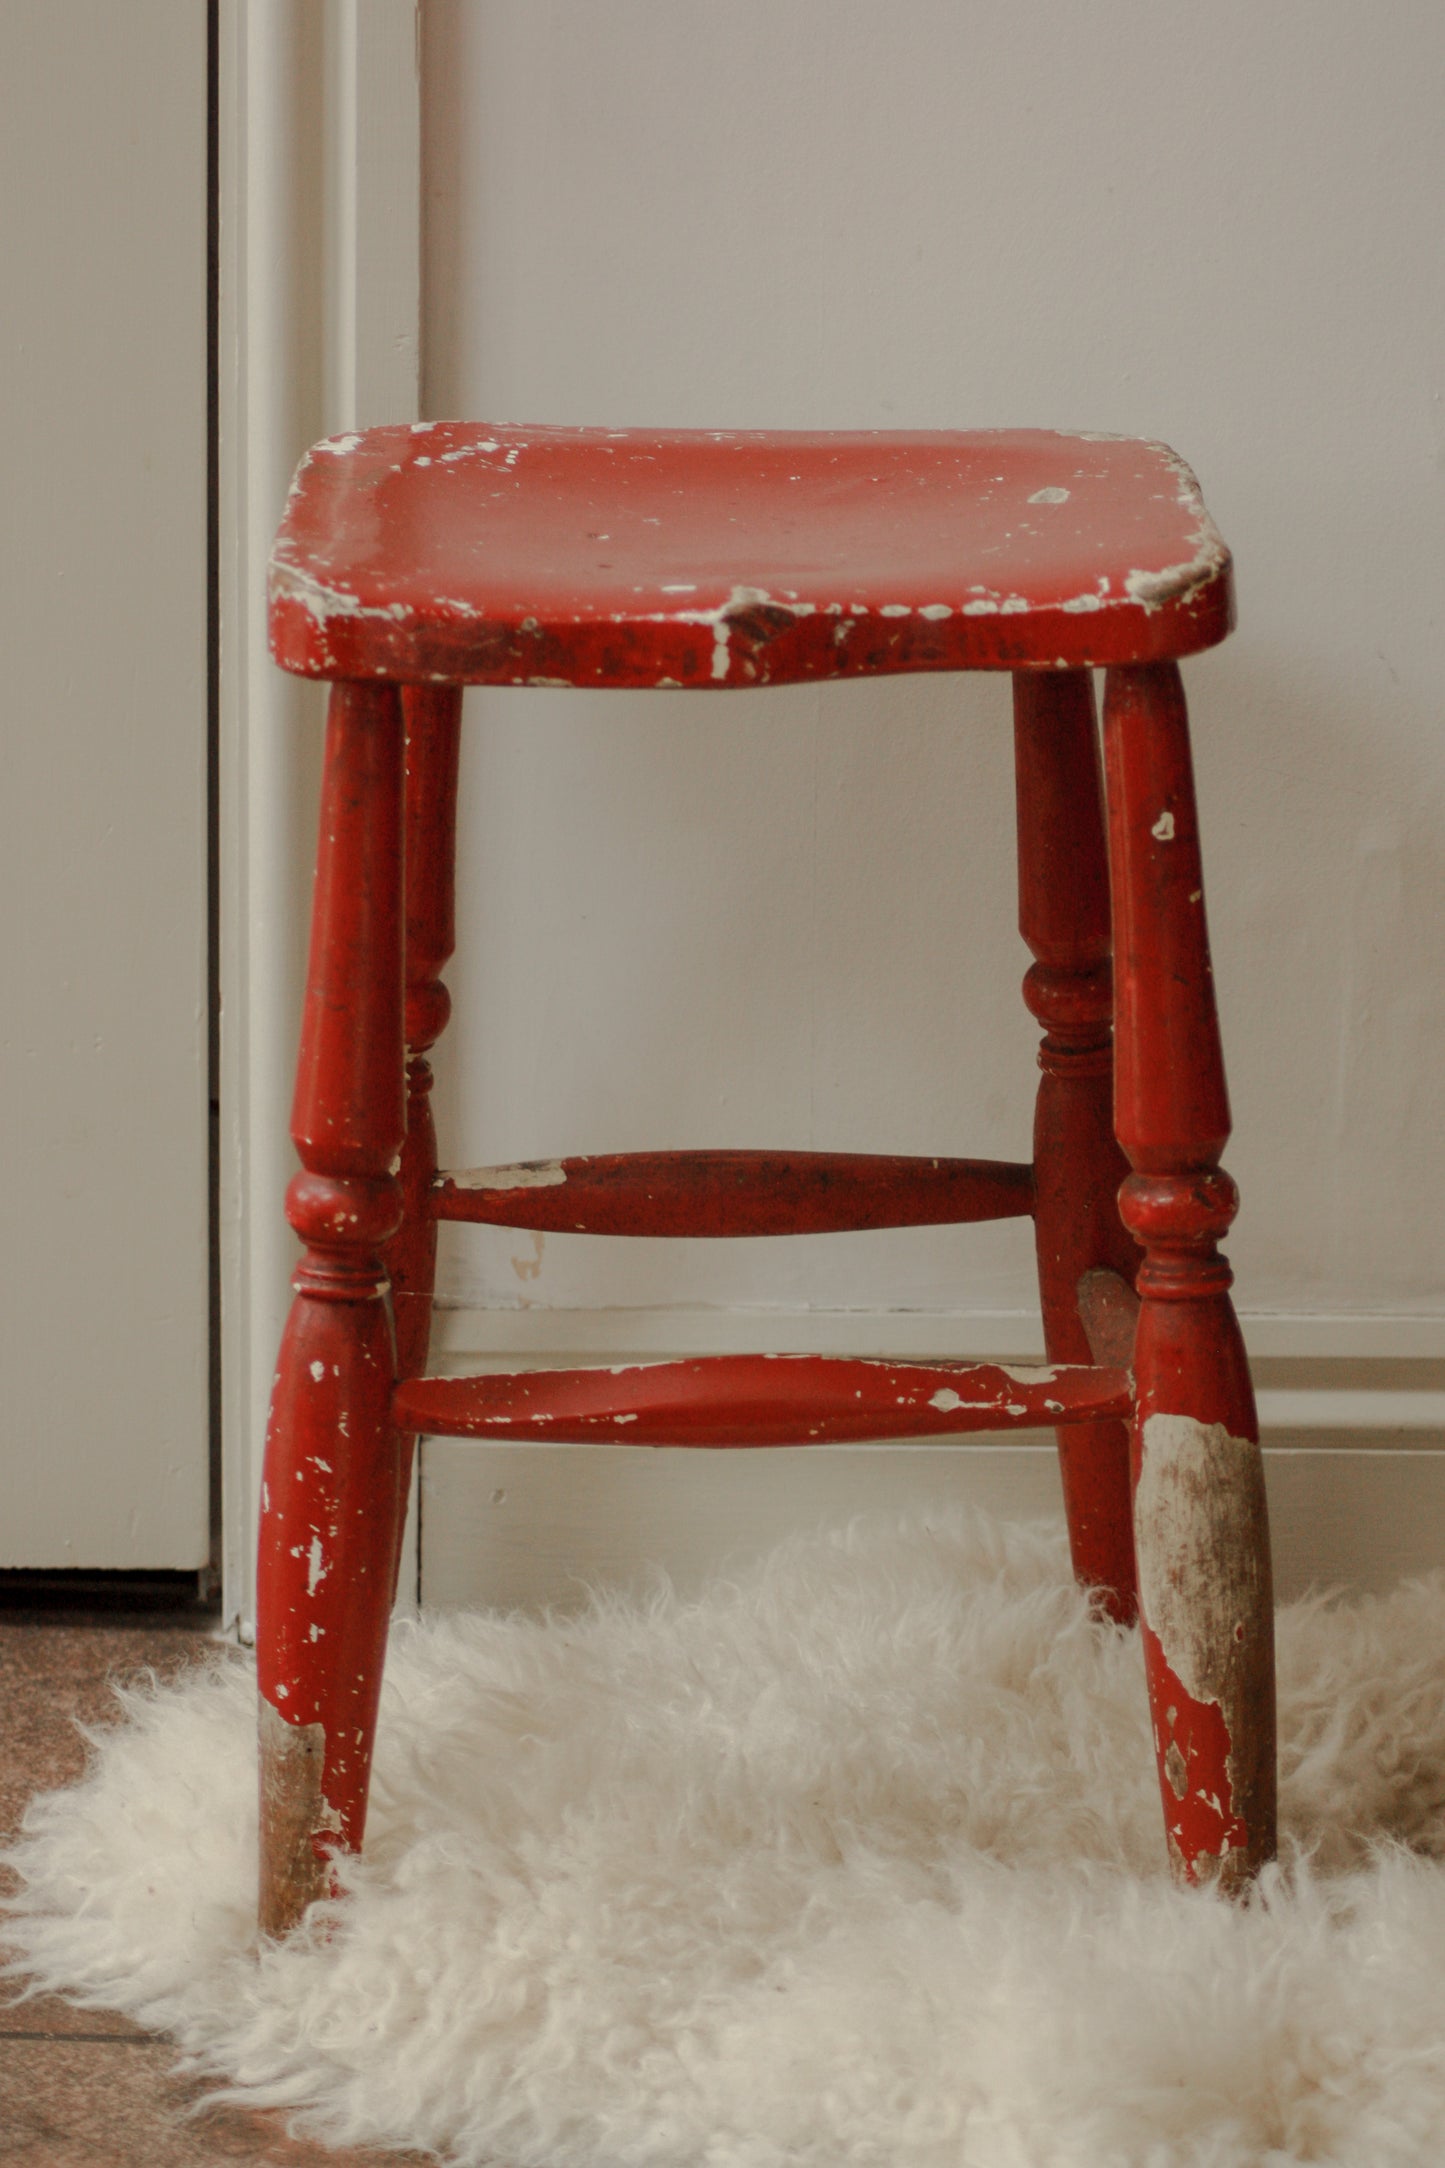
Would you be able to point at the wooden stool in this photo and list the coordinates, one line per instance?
(414, 561)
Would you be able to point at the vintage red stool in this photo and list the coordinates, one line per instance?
(414, 561)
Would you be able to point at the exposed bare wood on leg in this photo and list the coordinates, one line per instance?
(1109, 1310)
(1201, 1530)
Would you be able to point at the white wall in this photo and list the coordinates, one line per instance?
(788, 918)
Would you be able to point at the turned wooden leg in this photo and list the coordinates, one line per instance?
(1078, 1166)
(433, 731)
(1200, 1527)
(329, 1494)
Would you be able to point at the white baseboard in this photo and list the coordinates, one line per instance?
(1308, 1368)
(534, 1329)
(1352, 1414)
(528, 1526)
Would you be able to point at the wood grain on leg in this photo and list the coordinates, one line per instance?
(1201, 1531)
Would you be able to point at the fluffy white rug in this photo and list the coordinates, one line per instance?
(854, 1863)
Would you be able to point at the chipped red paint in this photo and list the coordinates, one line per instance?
(1078, 1166)
(433, 734)
(329, 1501)
(722, 1194)
(760, 1400)
(1201, 1528)
(1206, 1835)
(711, 558)
(446, 553)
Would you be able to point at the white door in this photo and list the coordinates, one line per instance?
(103, 987)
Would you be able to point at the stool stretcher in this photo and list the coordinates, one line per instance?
(737, 1193)
(760, 1400)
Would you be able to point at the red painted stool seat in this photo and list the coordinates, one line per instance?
(414, 561)
(710, 558)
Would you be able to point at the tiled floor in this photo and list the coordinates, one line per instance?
(80, 2089)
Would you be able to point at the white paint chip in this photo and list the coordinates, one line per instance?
(526, 1174)
(1163, 828)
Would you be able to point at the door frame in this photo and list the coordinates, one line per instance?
(319, 276)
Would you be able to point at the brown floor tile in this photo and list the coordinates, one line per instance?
(56, 1673)
(87, 2088)
(69, 2104)
(47, 2017)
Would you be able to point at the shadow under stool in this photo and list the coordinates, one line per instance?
(413, 561)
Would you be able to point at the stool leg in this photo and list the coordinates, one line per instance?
(433, 730)
(1200, 1526)
(329, 1494)
(1078, 1166)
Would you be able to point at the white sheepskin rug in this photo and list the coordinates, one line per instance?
(854, 1863)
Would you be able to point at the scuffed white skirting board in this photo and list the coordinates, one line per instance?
(466, 1328)
(1356, 1476)
(529, 1525)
